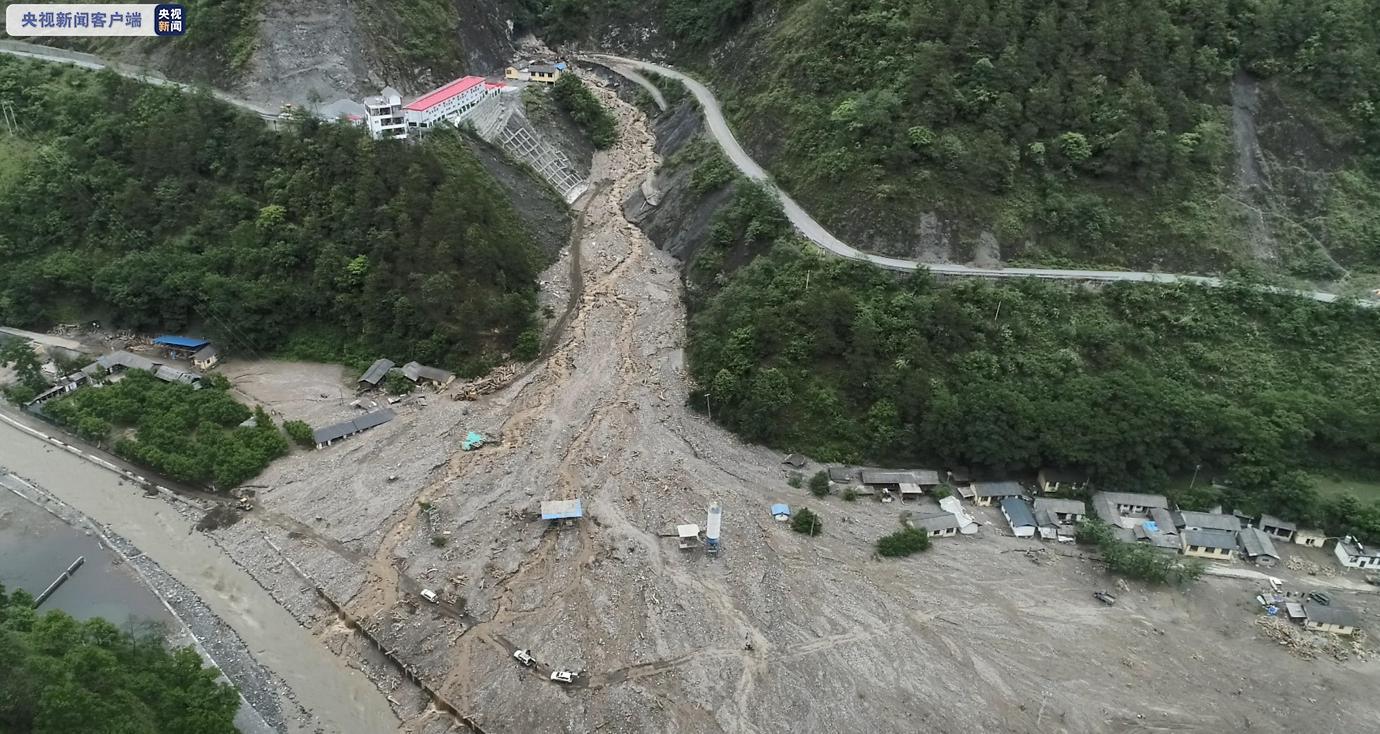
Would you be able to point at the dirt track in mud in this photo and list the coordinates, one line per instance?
(779, 633)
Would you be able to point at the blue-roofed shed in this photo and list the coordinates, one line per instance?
(181, 342)
(781, 511)
(561, 510)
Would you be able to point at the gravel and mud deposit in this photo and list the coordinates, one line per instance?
(779, 632)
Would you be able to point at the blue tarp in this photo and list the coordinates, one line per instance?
(472, 441)
(1150, 526)
(780, 509)
(181, 342)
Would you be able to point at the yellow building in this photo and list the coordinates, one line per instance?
(1336, 620)
(534, 71)
(1218, 546)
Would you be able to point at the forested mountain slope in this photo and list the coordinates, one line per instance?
(1137, 384)
(160, 210)
(1103, 132)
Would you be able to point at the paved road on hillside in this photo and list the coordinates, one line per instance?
(816, 232)
(87, 61)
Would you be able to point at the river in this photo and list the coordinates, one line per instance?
(35, 547)
(341, 698)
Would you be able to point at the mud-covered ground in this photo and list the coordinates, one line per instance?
(778, 633)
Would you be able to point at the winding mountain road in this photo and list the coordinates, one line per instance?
(817, 233)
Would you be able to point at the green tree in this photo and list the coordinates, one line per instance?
(806, 521)
(62, 675)
(819, 484)
(300, 432)
(903, 542)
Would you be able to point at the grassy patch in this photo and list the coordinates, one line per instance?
(1332, 485)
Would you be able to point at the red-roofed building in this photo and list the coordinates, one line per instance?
(450, 101)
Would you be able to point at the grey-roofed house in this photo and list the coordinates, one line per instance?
(1257, 546)
(843, 474)
(1135, 503)
(376, 372)
(986, 493)
(206, 357)
(1105, 510)
(1160, 537)
(1060, 481)
(122, 360)
(1191, 520)
(1215, 544)
(926, 477)
(330, 434)
(168, 373)
(1166, 519)
(1047, 524)
(1063, 510)
(1281, 529)
(1019, 516)
(417, 372)
(1330, 618)
(937, 524)
(887, 479)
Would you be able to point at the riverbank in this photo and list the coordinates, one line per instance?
(314, 687)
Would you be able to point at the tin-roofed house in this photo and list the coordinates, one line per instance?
(1191, 520)
(375, 374)
(421, 373)
(1257, 546)
(1061, 481)
(936, 524)
(1278, 528)
(206, 357)
(1214, 544)
(1334, 619)
(961, 479)
(1062, 510)
(181, 347)
(1135, 503)
(989, 493)
(327, 435)
(1352, 553)
(1019, 516)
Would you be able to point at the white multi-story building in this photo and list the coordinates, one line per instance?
(384, 115)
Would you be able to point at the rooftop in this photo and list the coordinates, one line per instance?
(376, 372)
(1055, 504)
(1062, 476)
(1319, 614)
(1270, 521)
(181, 342)
(935, 521)
(441, 94)
(1136, 499)
(1210, 539)
(561, 510)
(1257, 543)
(1209, 521)
(685, 531)
(842, 474)
(355, 425)
(415, 371)
(206, 352)
(780, 508)
(998, 489)
(1018, 512)
(876, 476)
(127, 360)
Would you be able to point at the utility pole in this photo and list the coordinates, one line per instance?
(7, 113)
(708, 409)
(1194, 480)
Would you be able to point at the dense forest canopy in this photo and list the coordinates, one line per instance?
(189, 434)
(1133, 383)
(62, 676)
(1073, 130)
(160, 210)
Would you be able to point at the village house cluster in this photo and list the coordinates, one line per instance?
(1053, 511)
